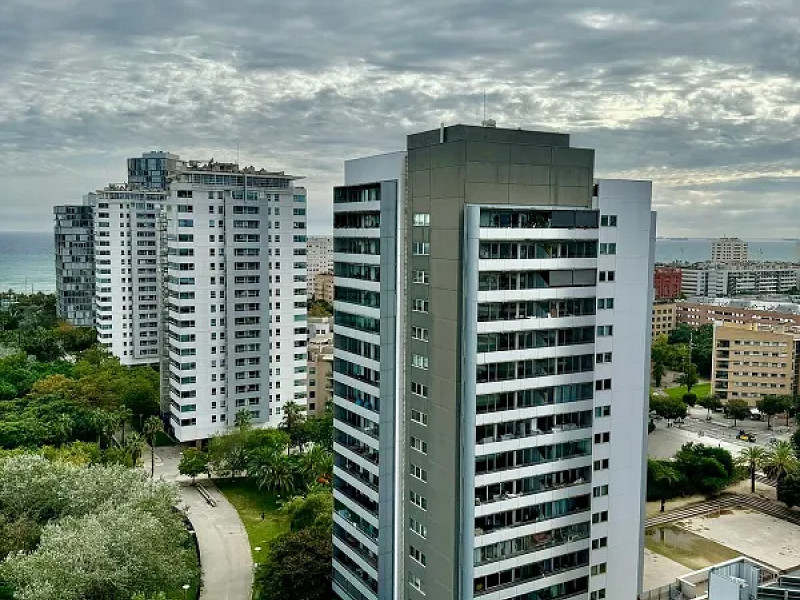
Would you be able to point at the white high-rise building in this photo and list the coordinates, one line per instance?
(320, 258)
(206, 276)
(491, 371)
(728, 250)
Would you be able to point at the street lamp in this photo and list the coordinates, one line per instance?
(185, 588)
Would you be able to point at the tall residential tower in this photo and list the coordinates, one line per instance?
(74, 245)
(492, 335)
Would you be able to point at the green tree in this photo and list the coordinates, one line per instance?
(780, 461)
(43, 344)
(689, 377)
(297, 567)
(242, 419)
(789, 490)
(669, 408)
(710, 402)
(152, 427)
(316, 464)
(280, 476)
(772, 405)
(313, 511)
(294, 423)
(737, 409)
(658, 373)
(796, 442)
(751, 459)
(664, 475)
(706, 469)
(320, 429)
(690, 398)
(193, 462)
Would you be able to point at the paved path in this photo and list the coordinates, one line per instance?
(224, 548)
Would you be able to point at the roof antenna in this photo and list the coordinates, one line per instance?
(487, 122)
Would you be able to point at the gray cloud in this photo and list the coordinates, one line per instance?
(701, 97)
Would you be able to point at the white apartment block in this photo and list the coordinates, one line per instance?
(728, 250)
(492, 335)
(320, 261)
(208, 278)
(728, 280)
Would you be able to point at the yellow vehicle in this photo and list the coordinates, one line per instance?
(746, 437)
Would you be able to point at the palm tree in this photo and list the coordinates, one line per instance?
(751, 458)
(152, 427)
(280, 476)
(317, 464)
(133, 444)
(665, 474)
(780, 461)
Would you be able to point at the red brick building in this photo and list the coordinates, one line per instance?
(667, 283)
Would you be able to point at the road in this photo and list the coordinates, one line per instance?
(224, 548)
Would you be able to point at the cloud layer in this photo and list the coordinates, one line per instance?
(701, 97)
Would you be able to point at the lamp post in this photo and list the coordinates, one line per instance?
(185, 588)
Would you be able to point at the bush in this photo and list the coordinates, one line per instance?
(690, 398)
(789, 490)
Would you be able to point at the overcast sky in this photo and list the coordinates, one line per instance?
(701, 96)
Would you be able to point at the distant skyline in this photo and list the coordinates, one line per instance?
(700, 97)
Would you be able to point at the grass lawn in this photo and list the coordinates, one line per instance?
(701, 389)
(250, 503)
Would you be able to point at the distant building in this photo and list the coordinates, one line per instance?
(667, 283)
(319, 259)
(715, 280)
(700, 311)
(664, 320)
(320, 364)
(750, 362)
(74, 254)
(729, 250)
(734, 579)
(323, 287)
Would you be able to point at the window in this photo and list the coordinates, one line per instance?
(600, 517)
(418, 472)
(608, 249)
(420, 305)
(421, 248)
(417, 500)
(416, 555)
(608, 221)
(419, 445)
(602, 411)
(605, 330)
(421, 276)
(415, 582)
(419, 417)
(602, 438)
(419, 361)
(605, 303)
(600, 465)
(606, 275)
(417, 527)
(598, 595)
(419, 389)
(419, 333)
(599, 543)
(602, 384)
(603, 357)
(598, 569)
(600, 490)
(422, 219)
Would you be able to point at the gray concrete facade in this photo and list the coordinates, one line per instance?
(448, 169)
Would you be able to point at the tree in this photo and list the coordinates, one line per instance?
(313, 511)
(689, 377)
(751, 458)
(279, 475)
(780, 461)
(152, 427)
(42, 344)
(294, 423)
(796, 442)
(669, 408)
(658, 373)
(317, 465)
(737, 409)
(771, 405)
(663, 474)
(711, 402)
(242, 419)
(706, 469)
(296, 567)
(789, 490)
(690, 398)
(193, 462)
(320, 429)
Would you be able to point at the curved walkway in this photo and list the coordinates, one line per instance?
(227, 566)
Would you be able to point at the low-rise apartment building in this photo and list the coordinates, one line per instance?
(667, 283)
(716, 280)
(751, 361)
(664, 318)
(700, 311)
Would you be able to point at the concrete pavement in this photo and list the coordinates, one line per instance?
(227, 566)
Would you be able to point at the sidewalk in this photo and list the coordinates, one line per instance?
(227, 566)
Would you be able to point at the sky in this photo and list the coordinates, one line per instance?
(700, 96)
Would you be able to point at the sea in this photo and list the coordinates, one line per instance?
(27, 259)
